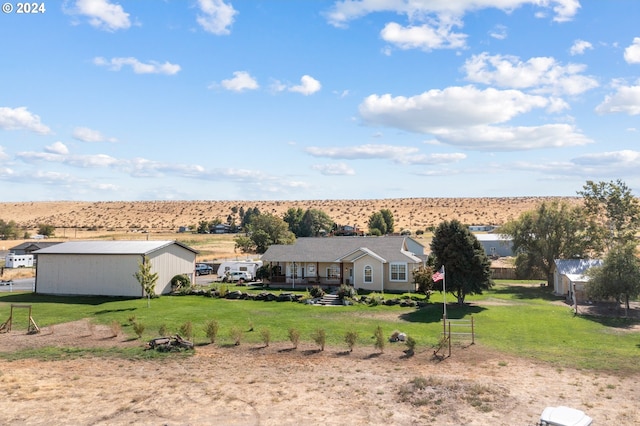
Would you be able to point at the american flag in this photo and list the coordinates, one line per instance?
(438, 275)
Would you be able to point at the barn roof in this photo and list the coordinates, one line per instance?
(110, 247)
(575, 266)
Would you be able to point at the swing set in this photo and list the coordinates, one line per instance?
(32, 327)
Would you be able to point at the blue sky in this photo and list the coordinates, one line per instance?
(290, 100)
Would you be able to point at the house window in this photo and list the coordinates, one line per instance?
(294, 269)
(333, 272)
(398, 271)
(368, 274)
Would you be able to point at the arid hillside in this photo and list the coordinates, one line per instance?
(163, 216)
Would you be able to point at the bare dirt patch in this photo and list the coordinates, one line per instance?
(275, 385)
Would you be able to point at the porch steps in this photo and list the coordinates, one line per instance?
(330, 300)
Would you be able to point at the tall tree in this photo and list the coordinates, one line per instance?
(146, 278)
(265, 230)
(387, 215)
(618, 277)
(313, 222)
(615, 210)
(293, 217)
(8, 230)
(377, 224)
(554, 230)
(467, 267)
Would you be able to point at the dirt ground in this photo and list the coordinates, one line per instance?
(276, 385)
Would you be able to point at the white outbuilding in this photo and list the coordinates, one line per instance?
(107, 268)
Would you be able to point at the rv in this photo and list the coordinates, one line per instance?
(248, 266)
(18, 261)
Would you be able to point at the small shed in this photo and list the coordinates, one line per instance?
(107, 268)
(569, 277)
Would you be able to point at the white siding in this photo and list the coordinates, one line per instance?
(171, 261)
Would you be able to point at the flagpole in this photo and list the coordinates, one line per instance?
(444, 298)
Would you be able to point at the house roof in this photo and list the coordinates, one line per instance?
(333, 249)
(30, 244)
(575, 266)
(493, 237)
(110, 247)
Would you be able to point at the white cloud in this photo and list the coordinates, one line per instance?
(85, 134)
(496, 138)
(397, 154)
(3, 155)
(102, 14)
(599, 165)
(216, 16)
(425, 37)
(632, 53)
(152, 67)
(625, 100)
(579, 47)
(308, 86)
(240, 82)
(499, 32)
(540, 74)
(452, 107)
(21, 119)
(57, 148)
(336, 169)
(347, 10)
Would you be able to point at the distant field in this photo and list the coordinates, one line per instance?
(160, 216)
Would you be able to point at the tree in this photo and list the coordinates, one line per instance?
(293, 217)
(467, 267)
(146, 279)
(422, 278)
(46, 230)
(618, 277)
(265, 230)
(313, 222)
(614, 209)
(554, 230)
(8, 230)
(377, 224)
(388, 219)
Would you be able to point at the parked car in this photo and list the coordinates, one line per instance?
(235, 276)
(564, 416)
(203, 269)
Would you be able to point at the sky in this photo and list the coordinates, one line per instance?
(309, 99)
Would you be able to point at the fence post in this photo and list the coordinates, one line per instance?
(473, 333)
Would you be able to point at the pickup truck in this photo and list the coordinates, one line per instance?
(203, 269)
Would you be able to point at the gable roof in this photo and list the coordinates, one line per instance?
(575, 266)
(110, 247)
(34, 245)
(333, 249)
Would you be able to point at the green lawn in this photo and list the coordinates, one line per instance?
(516, 318)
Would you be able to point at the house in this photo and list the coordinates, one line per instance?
(496, 245)
(368, 263)
(221, 228)
(107, 268)
(482, 228)
(30, 246)
(569, 277)
(348, 231)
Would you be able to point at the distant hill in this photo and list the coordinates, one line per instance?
(162, 216)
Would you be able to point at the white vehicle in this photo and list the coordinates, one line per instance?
(564, 416)
(203, 269)
(238, 276)
(248, 266)
(18, 261)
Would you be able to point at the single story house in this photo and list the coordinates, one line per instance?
(30, 246)
(496, 245)
(569, 277)
(368, 263)
(107, 268)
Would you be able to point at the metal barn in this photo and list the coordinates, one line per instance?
(107, 268)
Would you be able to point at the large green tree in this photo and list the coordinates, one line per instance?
(467, 267)
(619, 276)
(313, 222)
(8, 230)
(377, 224)
(293, 217)
(263, 231)
(614, 209)
(554, 230)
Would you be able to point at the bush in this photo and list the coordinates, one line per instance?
(180, 283)
(411, 345)
(375, 299)
(138, 328)
(211, 330)
(320, 337)
(294, 337)
(316, 292)
(379, 339)
(236, 335)
(115, 328)
(351, 337)
(186, 330)
(265, 335)
(163, 330)
(346, 292)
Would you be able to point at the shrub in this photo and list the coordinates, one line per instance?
(411, 345)
(375, 299)
(236, 335)
(186, 330)
(351, 337)
(180, 283)
(320, 337)
(316, 292)
(346, 292)
(163, 330)
(211, 330)
(138, 328)
(265, 335)
(379, 339)
(115, 328)
(294, 336)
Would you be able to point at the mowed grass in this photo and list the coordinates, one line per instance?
(517, 318)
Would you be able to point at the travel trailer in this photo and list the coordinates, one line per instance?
(248, 266)
(18, 261)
